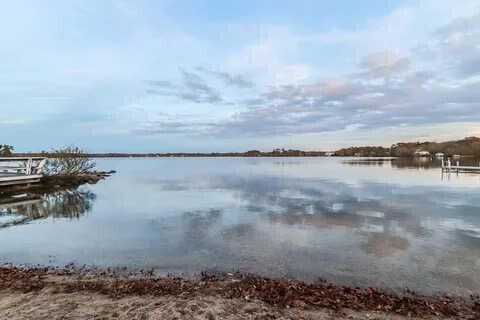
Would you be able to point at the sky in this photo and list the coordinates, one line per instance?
(201, 76)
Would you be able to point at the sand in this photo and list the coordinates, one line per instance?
(45, 304)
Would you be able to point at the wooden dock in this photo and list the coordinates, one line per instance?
(448, 167)
(18, 171)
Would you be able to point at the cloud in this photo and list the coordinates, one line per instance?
(161, 84)
(172, 127)
(330, 88)
(192, 88)
(388, 90)
(460, 25)
(383, 64)
(458, 43)
(359, 101)
(269, 56)
(203, 86)
(229, 78)
(197, 90)
(253, 102)
(172, 123)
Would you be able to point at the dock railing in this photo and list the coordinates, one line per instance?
(22, 166)
(448, 167)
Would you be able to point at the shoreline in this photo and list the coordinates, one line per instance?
(275, 295)
(56, 183)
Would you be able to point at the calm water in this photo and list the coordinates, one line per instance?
(375, 223)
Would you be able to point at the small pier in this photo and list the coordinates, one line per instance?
(448, 167)
(21, 171)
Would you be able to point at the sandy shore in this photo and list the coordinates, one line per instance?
(67, 294)
(47, 305)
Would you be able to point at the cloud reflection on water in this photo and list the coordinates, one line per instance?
(379, 220)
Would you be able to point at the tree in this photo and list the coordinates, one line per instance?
(69, 160)
(6, 150)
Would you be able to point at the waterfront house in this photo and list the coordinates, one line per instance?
(421, 153)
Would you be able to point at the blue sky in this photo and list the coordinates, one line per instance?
(157, 76)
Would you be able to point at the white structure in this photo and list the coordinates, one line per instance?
(422, 153)
(439, 155)
(448, 167)
(21, 171)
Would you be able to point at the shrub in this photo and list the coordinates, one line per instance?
(68, 160)
(6, 150)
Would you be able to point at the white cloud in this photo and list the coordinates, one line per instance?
(383, 64)
(269, 58)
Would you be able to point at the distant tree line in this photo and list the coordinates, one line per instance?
(467, 147)
(281, 153)
(364, 152)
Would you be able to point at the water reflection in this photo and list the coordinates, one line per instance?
(286, 226)
(329, 205)
(197, 226)
(383, 244)
(410, 163)
(24, 208)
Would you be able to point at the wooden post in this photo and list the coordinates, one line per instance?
(28, 170)
(41, 165)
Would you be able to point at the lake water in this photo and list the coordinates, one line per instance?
(384, 224)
